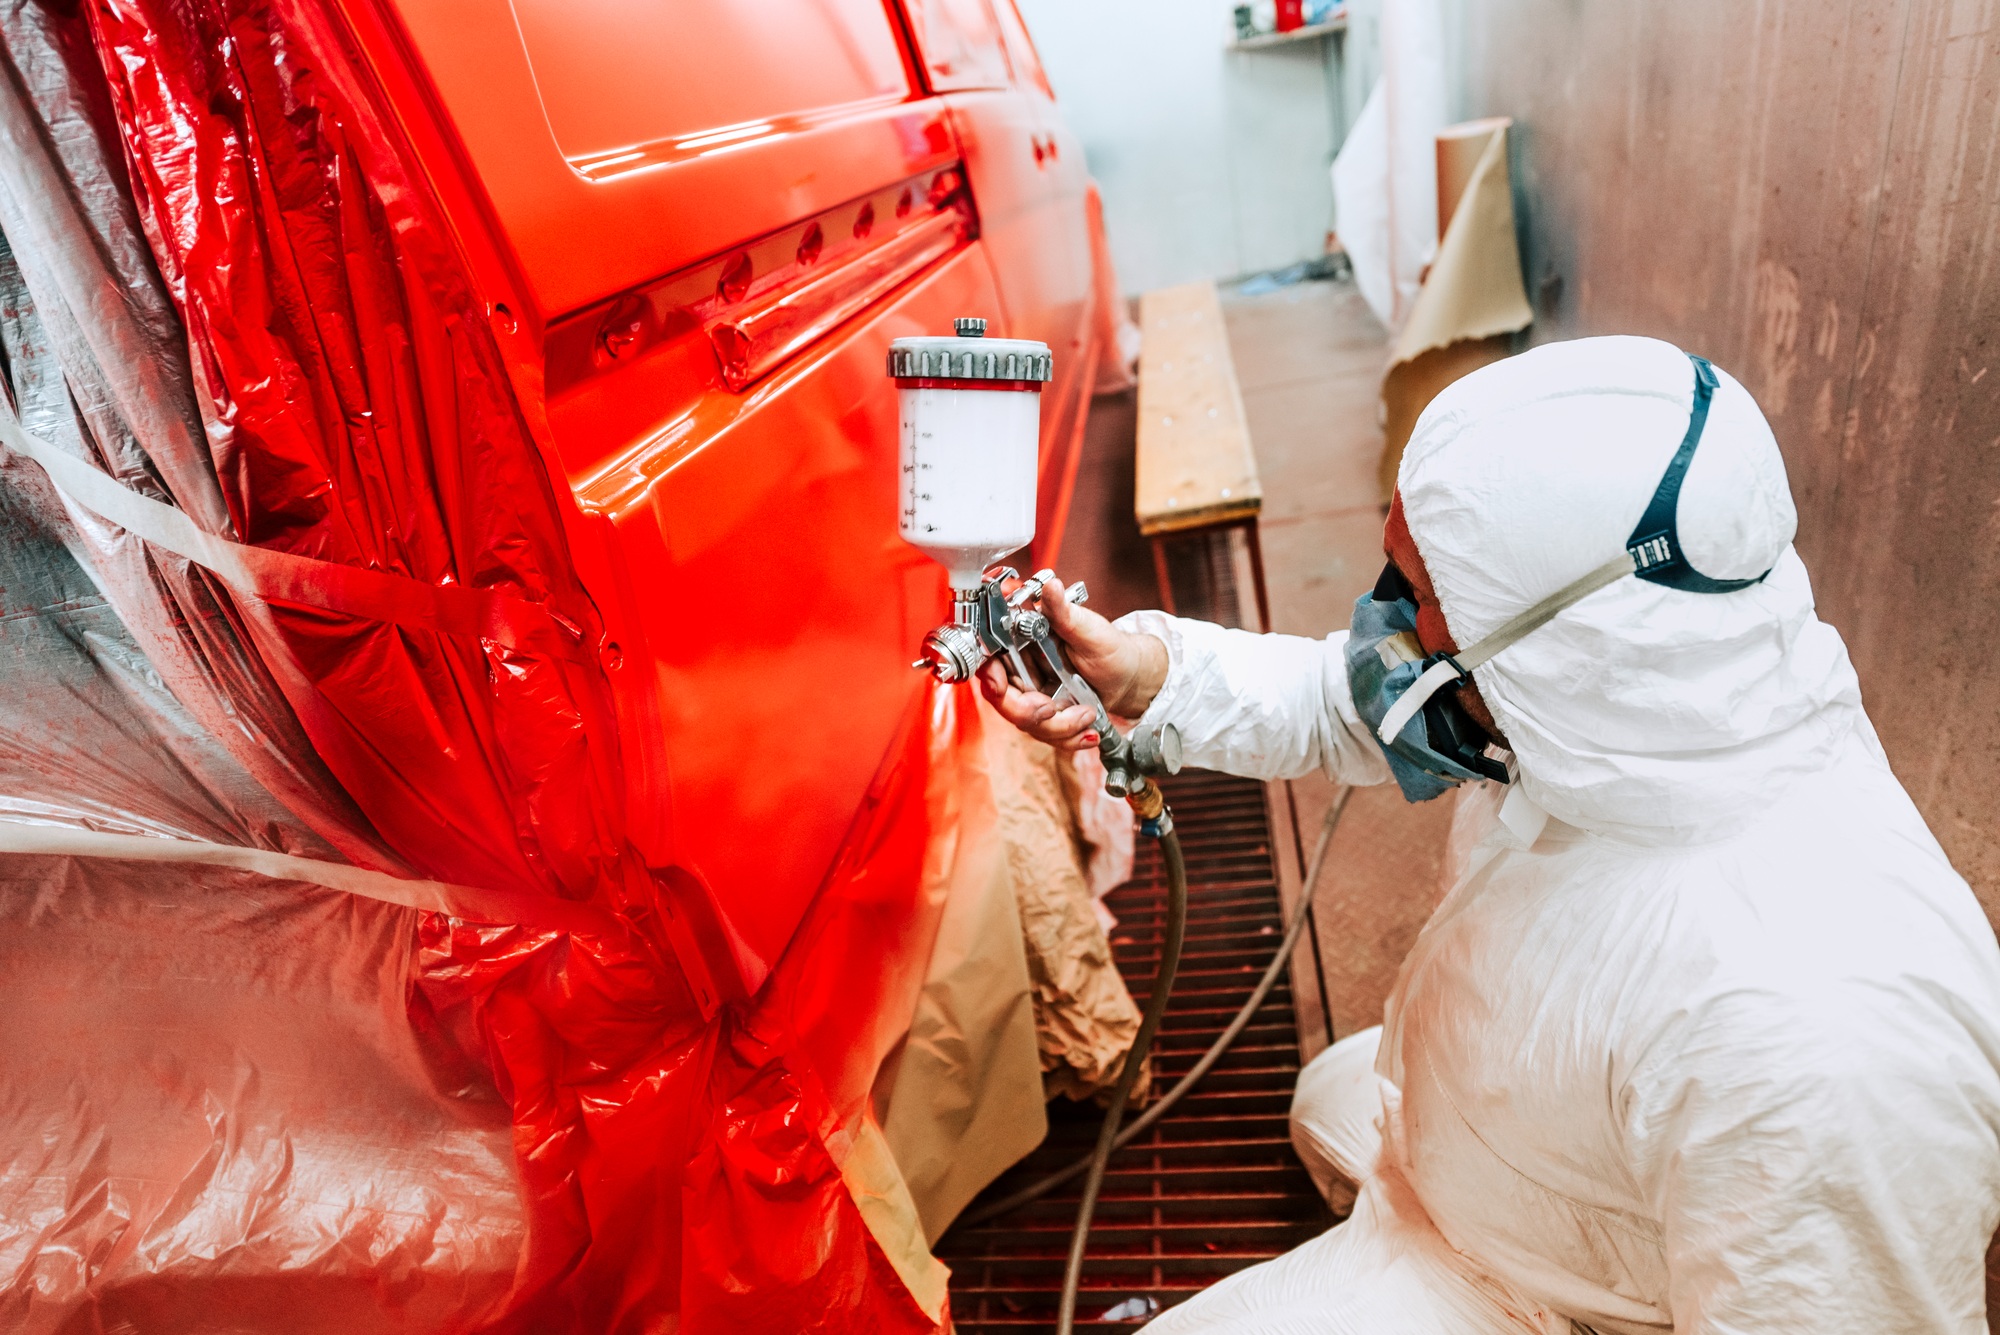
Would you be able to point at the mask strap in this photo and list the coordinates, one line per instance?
(1653, 552)
(1655, 544)
(1458, 667)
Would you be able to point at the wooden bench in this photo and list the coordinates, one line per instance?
(1196, 471)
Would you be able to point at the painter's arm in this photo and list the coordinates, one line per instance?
(1262, 706)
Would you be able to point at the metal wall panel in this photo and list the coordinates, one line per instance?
(1808, 192)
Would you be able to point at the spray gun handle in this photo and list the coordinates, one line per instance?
(988, 625)
(1028, 626)
(1034, 627)
(1130, 760)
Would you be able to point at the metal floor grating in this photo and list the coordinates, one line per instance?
(1215, 1186)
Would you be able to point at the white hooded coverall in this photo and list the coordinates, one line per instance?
(1706, 1036)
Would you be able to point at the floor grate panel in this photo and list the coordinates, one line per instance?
(1214, 1187)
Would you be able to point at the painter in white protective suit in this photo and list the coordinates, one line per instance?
(1705, 1036)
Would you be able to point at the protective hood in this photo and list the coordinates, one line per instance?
(1641, 712)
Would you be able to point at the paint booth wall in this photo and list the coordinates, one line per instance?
(1212, 162)
(1808, 192)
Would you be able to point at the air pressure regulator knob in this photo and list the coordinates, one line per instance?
(1146, 753)
(1157, 750)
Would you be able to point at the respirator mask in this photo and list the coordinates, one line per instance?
(1431, 742)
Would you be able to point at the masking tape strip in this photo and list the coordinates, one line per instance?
(376, 595)
(500, 907)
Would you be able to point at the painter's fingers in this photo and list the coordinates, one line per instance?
(1026, 710)
(1080, 627)
(993, 683)
(1072, 728)
(1069, 728)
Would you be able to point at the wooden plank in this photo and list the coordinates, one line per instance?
(1195, 464)
(1289, 850)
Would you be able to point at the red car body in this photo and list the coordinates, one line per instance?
(701, 224)
(522, 406)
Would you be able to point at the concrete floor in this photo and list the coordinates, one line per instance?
(1309, 359)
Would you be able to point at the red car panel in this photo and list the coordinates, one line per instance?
(705, 313)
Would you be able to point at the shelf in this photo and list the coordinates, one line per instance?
(1305, 34)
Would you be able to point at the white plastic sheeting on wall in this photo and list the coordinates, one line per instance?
(1385, 178)
(1212, 162)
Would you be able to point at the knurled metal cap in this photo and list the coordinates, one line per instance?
(972, 357)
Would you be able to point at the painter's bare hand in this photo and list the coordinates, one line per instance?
(1125, 669)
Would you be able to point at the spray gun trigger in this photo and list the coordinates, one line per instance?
(1070, 688)
(1022, 677)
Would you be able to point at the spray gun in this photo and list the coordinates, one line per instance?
(993, 620)
(970, 414)
(970, 408)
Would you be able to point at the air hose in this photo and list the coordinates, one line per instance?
(1110, 1137)
(1161, 825)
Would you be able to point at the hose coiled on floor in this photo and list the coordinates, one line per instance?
(1135, 1060)
(1111, 1137)
(1042, 1186)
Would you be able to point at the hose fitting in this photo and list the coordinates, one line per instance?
(1146, 800)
